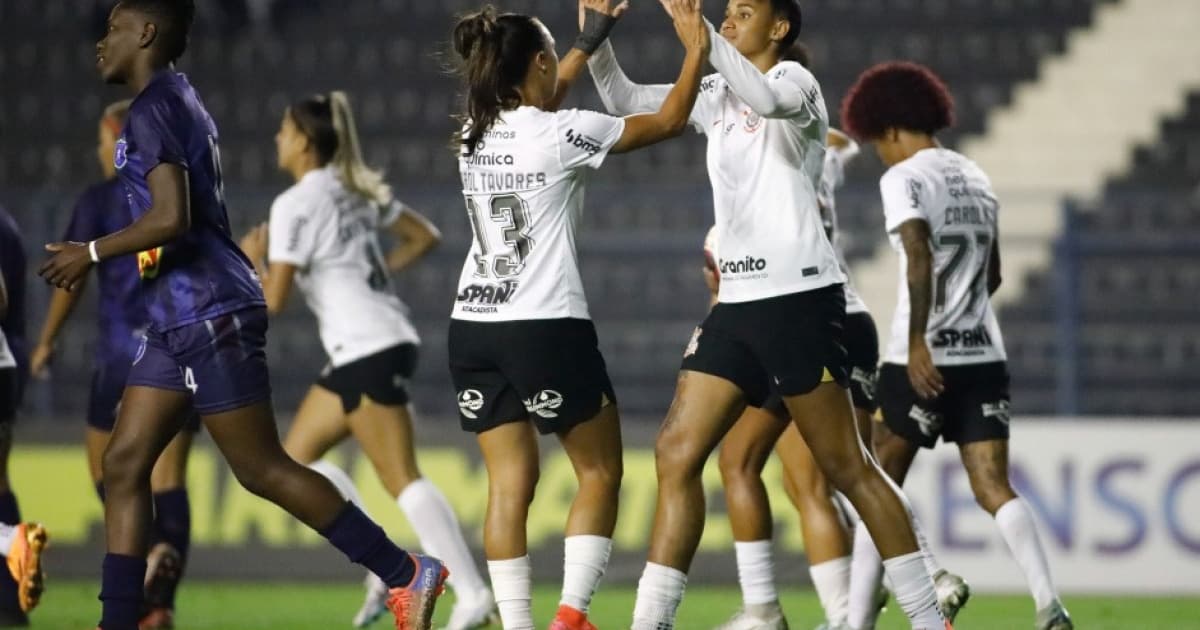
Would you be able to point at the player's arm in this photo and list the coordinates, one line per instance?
(596, 20)
(993, 279)
(416, 236)
(276, 277)
(673, 115)
(62, 304)
(790, 92)
(168, 218)
(914, 234)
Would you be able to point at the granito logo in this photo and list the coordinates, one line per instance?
(749, 264)
(544, 403)
(121, 155)
(586, 143)
(470, 401)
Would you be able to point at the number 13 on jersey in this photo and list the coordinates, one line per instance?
(506, 228)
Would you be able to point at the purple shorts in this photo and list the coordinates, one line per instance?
(220, 361)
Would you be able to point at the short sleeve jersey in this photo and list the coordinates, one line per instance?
(203, 273)
(330, 234)
(954, 196)
(524, 192)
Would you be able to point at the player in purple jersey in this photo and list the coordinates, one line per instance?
(204, 348)
(22, 544)
(101, 210)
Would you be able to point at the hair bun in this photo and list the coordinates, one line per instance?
(473, 29)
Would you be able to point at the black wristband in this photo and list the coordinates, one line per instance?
(596, 27)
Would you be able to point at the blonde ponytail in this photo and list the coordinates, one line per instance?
(348, 160)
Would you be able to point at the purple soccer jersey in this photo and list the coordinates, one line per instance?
(101, 210)
(12, 264)
(202, 274)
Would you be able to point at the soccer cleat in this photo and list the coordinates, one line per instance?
(757, 617)
(952, 593)
(25, 563)
(164, 569)
(570, 619)
(375, 603)
(1054, 618)
(158, 619)
(469, 614)
(413, 605)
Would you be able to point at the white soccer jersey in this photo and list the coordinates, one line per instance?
(524, 189)
(955, 197)
(331, 235)
(832, 178)
(766, 148)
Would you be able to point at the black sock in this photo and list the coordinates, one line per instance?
(121, 591)
(10, 513)
(173, 525)
(365, 543)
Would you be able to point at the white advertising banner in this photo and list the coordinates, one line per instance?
(1117, 503)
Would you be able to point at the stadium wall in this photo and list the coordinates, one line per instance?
(1118, 502)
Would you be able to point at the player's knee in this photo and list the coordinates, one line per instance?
(515, 485)
(125, 463)
(991, 493)
(844, 470)
(735, 464)
(603, 474)
(677, 461)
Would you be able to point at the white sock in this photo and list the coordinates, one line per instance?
(659, 592)
(866, 574)
(341, 482)
(441, 536)
(932, 566)
(756, 572)
(831, 579)
(585, 559)
(512, 584)
(8, 533)
(1020, 533)
(914, 591)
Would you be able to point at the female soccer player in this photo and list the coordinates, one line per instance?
(21, 543)
(122, 320)
(204, 346)
(322, 235)
(945, 371)
(522, 348)
(782, 308)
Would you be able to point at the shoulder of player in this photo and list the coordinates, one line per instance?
(307, 196)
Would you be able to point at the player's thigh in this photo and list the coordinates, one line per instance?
(800, 468)
(95, 442)
(487, 398)
(705, 407)
(510, 454)
(746, 447)
(977, 405)
(594, 446)
(385, 433)
(149, 418)
(319, 425)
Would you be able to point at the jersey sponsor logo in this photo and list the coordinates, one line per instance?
(489, 293)
(708, 85)
(469, 402)
(149, 262)
(489, 159)
(746, 265)
(588, 144)
(500, 134)
(998, 411)
(977, 337)
(866, 379)
(544, 403)
(914, 193)
(121, 154)
(929, 422)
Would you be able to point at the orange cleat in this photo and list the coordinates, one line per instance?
(25, 563)
(413, 605)
(570, 619)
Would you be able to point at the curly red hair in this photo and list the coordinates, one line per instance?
(897, 94)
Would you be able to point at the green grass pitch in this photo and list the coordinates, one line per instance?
(275, 606)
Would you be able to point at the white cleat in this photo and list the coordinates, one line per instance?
(952, 593)
(374, 604)
(479, 612)
(757, 617)
(1054, 618)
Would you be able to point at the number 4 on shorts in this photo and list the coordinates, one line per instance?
(189, 380)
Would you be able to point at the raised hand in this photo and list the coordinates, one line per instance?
(604, 7)
(689, 23)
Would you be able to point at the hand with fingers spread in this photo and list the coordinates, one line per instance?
(67, 266)
(922, 373)
(689, 22)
